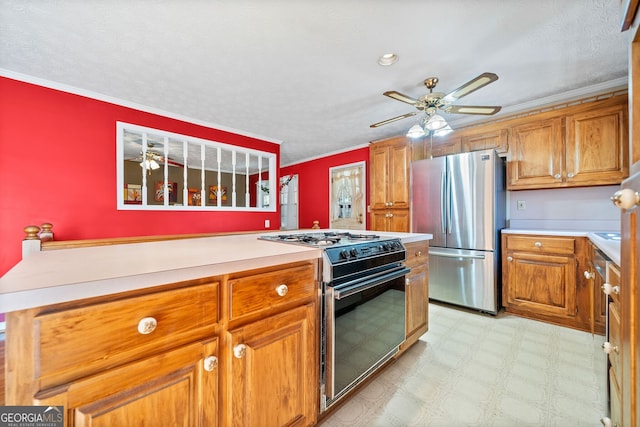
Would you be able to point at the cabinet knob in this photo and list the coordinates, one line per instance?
(626, 198)
(608, 348)
(608, 289)
(147, 325)
(571, 175)
(606, 422)
(239, 351)
(509, 258)
(538, 244)
(557, 176)
(210, 363)
(419, 253)
(282, 290)
(589, 275)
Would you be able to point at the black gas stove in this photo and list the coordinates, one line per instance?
(347, 254)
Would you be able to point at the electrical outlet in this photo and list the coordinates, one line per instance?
(267, 223)
(522, 205)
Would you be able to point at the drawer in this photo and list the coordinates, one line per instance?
(417, 253)
(265, 291)
(556, 245)
(72, 343)
(614, 340)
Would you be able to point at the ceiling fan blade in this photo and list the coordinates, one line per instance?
(400, 97)
(384, 122)
(471, 86)
(484, 110)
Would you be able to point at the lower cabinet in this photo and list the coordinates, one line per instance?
(274, 374)
(541, 280)
(417, 292)
(178, 388)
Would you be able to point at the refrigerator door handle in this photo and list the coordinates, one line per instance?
(443, 201)
(450, 255)
(449, 201)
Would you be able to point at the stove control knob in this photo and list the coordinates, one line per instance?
(344, 254)
(353, 252)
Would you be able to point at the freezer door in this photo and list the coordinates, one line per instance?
(428, 178)
(464, 278)
(471, 189)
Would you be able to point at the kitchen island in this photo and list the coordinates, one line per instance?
(199, 327)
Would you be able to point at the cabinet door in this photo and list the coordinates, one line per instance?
(417, 295)
(445, 146)
(274, 378)
(541, 284)
(399, 179)
(498, 139)
(378, 182)
(536, 155)
(177, 388)
(597, 146)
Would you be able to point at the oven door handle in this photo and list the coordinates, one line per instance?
(359, 285)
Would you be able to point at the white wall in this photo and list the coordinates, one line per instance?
(580, 209)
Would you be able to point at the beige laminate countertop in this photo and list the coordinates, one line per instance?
(51, 277)
(610, 247)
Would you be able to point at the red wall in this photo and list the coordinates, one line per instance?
(58, 165)
(313, 185)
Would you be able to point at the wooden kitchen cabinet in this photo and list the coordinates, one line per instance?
(576, 146)
(443, 146)
(417, 292)
(536, 155)
(238, 349)
(390, 220)
(541, 281)
(270, 350)
(390, 169)
(613, 347)
(477, 140)
(120, 360)
(274, 375)
(599, 298)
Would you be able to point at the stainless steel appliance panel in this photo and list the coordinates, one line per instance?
(428, 182)
(463, 277)
(471, 192)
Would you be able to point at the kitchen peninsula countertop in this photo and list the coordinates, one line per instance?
(610, 247)
(52, 277)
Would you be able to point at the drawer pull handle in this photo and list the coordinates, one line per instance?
(239, 351)
(147, 325)
(626, 198)
(589, 275)
(538, 245)
(419, 253)
(210, 363)
(509, 258)
(282, 290)
(608, 348)
(608, 289)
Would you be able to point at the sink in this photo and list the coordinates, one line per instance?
(609, 236)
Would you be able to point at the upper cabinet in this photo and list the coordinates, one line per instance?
(576, 146)
(390, 171)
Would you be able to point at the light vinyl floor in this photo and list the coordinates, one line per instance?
(474, 369)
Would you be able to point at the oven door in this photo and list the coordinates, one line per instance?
(365, 324)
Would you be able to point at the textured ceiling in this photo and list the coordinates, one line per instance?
(304, 72)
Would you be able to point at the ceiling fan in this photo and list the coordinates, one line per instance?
(434, 101)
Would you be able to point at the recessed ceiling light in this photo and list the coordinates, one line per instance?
(388, 59)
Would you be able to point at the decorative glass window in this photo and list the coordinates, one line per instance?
(347, 194)
(159, 170)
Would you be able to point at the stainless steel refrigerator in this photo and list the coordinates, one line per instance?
(461, 200)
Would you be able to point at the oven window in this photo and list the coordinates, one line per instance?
(368, 326)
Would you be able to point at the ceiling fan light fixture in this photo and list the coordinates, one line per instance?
(416, 131)
(388, 59)
(444, 131)
(436, 122)
(149, 164)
